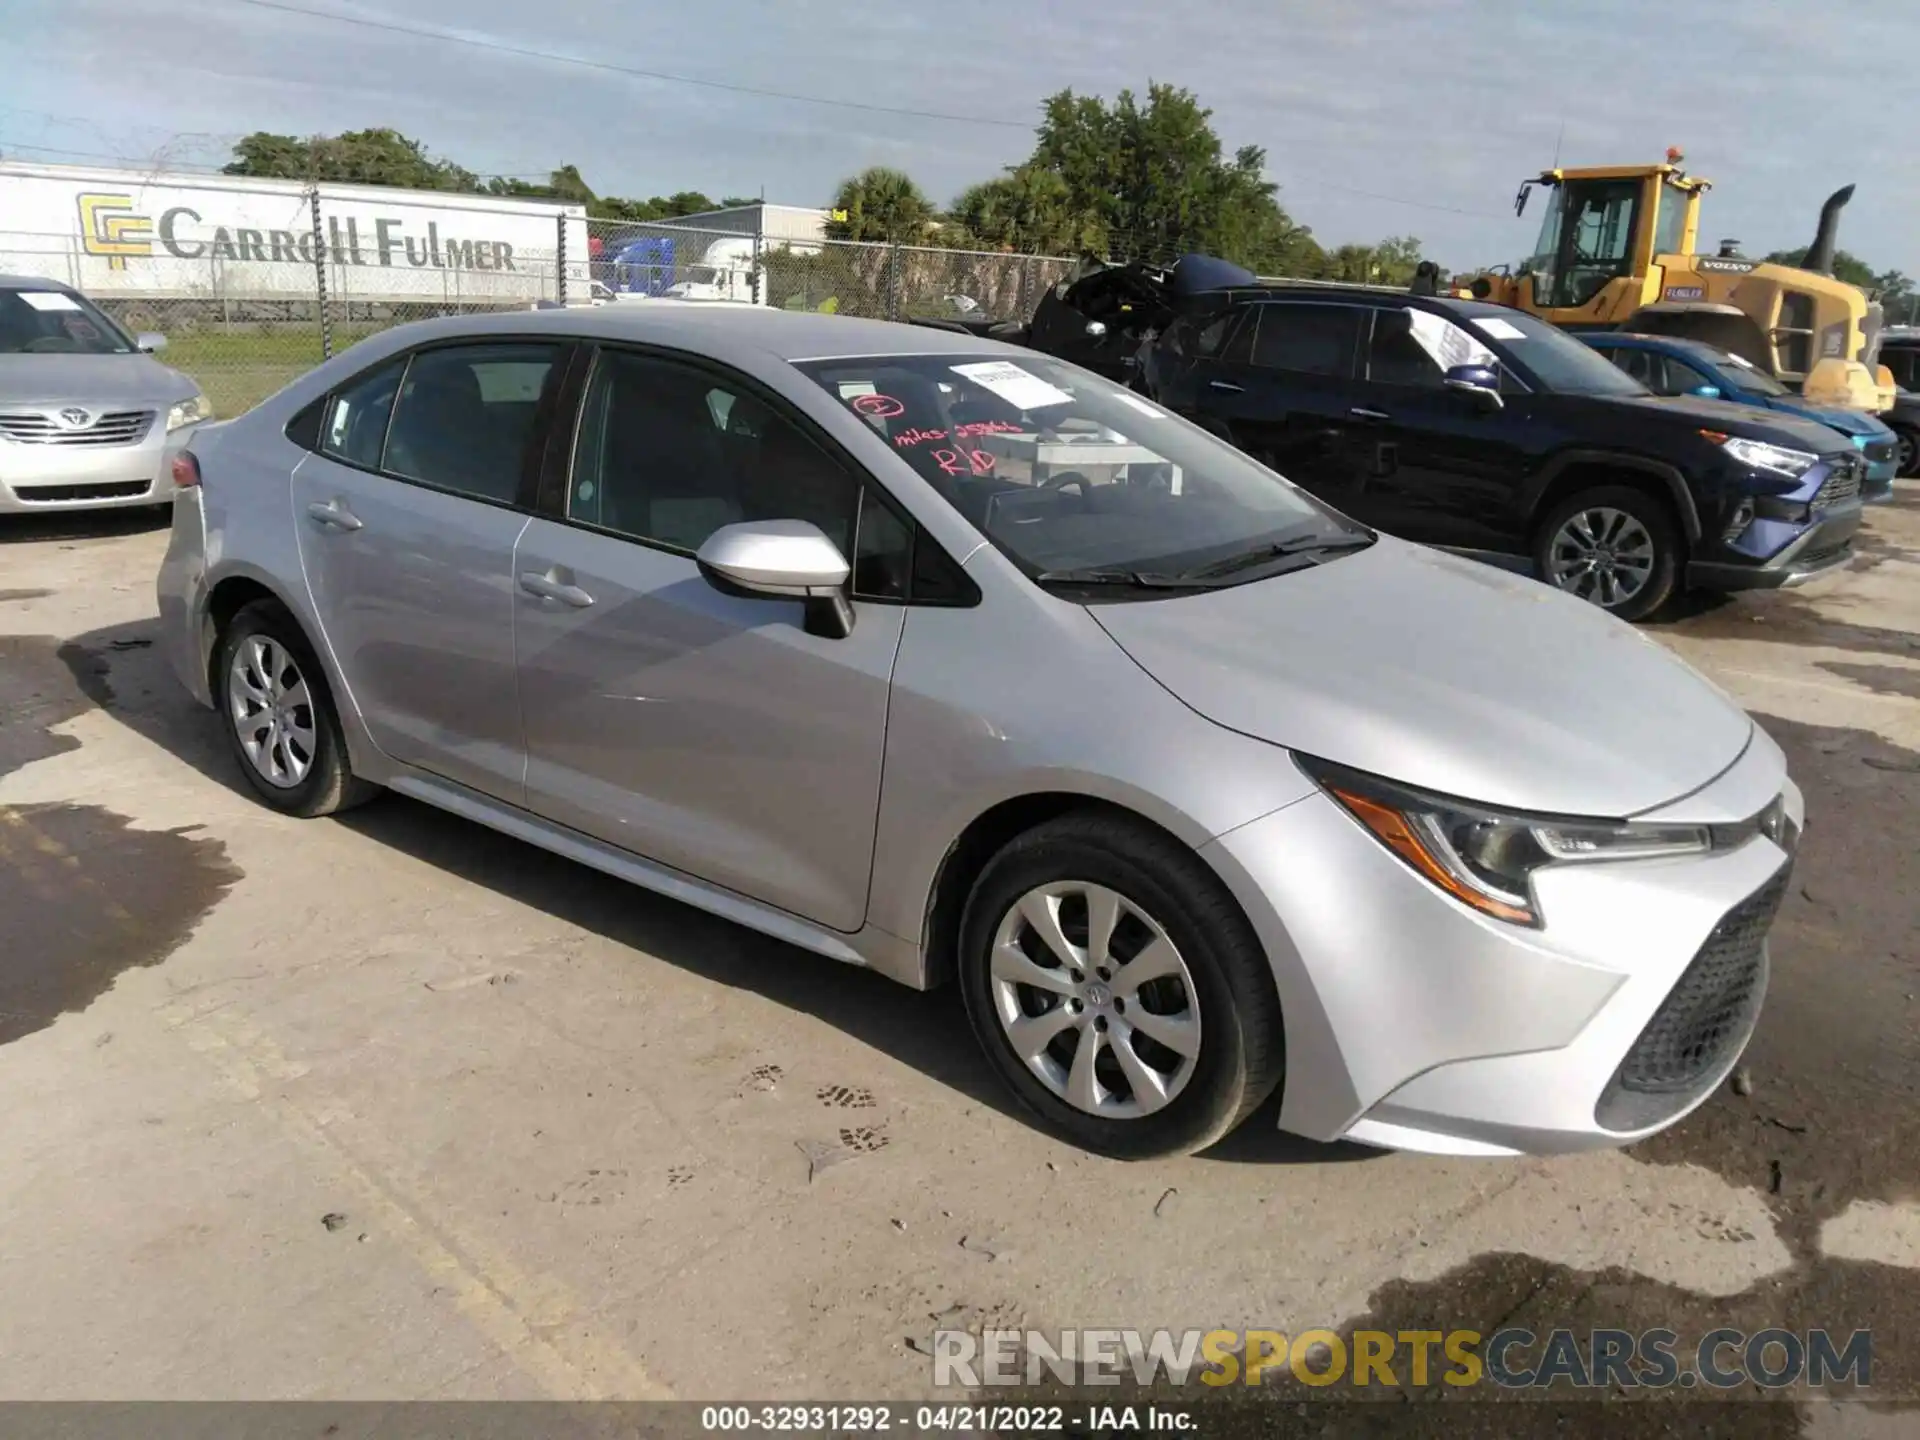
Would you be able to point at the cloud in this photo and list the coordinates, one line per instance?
(1447, 103)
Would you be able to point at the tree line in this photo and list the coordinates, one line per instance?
(1120, 180)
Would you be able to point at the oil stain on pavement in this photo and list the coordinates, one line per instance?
(83, 895)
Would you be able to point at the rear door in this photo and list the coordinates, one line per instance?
(1433, 464)
(707, 732)
(407, 518)
(1283, 389)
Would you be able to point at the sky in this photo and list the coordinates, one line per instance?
(1389, 117)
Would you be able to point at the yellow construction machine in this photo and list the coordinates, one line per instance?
(1618, 250)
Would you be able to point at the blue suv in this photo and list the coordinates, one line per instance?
(1671, 366)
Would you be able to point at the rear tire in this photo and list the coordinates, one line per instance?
(1614, 546)
(1148, 951)
(279, 715)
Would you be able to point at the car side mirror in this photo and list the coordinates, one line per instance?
(150, 343)
(1706, 392)
(1480, 382)
(782, 560)
(1096, 328)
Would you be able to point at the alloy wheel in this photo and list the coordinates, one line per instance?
(1601, 554)
(272, 711)
(1095, 999)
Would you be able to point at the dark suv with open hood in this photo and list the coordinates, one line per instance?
(1481, 429)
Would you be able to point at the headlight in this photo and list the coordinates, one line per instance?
(1485, 858)
(1762, 456)
(189, 412)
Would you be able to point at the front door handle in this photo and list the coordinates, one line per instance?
(1228, 386)
(1360, 412)
(551, 587)
(335, 515)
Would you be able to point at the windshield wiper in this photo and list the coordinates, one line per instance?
(1131, 579)
(1301, 545)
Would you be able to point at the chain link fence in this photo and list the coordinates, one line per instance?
(245, 318)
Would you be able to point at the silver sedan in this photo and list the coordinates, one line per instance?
(950, 660)
(88, 418)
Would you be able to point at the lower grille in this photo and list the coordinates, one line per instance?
(116, 427)
(1842, 484)
(1702, 1023)
(106, 490)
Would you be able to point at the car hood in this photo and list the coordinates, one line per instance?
(104, 380)
(1777, 427)
(1444, 674)
(1847, 422)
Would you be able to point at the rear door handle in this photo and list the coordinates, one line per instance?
(551, 587)
(1360, 412)
(335, 515)
(1228, 386)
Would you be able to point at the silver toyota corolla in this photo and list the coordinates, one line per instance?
(947, 659)
(88, 418)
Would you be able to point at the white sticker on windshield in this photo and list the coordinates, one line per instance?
(48, 300)
(1142, 406)
(1501, 329)
(1019, 388)
(850, 388)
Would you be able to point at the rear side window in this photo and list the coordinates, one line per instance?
(356, 426)
(1307, 339)
(465, 417)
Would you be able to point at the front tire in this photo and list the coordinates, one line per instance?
(1908, 463)
(1614, 546)
(279, 715)
(1117, 988)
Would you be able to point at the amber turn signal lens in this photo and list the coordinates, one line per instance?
(1391, 826)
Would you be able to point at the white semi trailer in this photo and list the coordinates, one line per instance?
(130, 234)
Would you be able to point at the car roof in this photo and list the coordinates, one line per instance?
(1366, 295)
(1699, 349)
(34, 282)
(718, 329)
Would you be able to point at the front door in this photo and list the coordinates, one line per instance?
(707, 732)
(1436, 465)
(407, 518)
(1282, 389)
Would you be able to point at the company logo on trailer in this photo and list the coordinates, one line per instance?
(110, 228)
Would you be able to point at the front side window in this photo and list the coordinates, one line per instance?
(668, 454)
(464, 417)
(1670, 227)
(52, 322)
(1067, 472)
(1307, 339)
(1417, 347)
(356, 424)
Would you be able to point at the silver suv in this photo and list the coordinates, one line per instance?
(88, 418)
(954, 661)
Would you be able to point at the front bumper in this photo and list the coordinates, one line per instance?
(1823, 546)
(180, 591)
(1413, 1022)
(38, 478)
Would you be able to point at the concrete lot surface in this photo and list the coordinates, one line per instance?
(394, 1107)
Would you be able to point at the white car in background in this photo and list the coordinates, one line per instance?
(88, 418)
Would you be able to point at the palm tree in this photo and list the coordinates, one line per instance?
(880, 204)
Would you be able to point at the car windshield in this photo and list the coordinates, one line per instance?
(52, 322)
(1743, 372)
(1552, 359)
(1067, 473)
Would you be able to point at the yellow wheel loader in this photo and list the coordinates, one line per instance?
(1618, 250)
